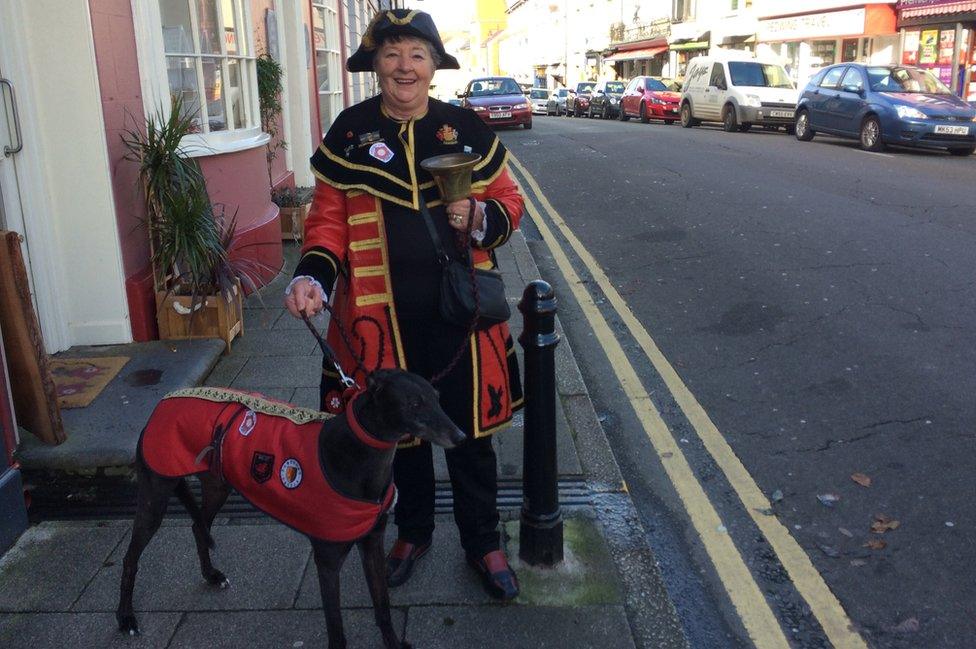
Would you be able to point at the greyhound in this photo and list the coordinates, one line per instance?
(230, 439)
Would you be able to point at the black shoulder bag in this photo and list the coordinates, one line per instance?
(469, 296)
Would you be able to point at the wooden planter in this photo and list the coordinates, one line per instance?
(293, 221)
(215, 317)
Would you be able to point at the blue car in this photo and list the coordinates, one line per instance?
(885, 104)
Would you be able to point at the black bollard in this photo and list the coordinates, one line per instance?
(541, 526)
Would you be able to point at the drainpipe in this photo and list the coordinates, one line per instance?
(341, 17)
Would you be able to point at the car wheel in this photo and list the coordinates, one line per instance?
(729, 121)
(871, 139)
(744, 128)
(802, 129)
(606, 111)
(623, 117)
(589, 112)
(643, 113)
(963, 151)
(527, 125)
(687, 121)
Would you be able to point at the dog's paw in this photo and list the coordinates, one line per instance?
(218, 579)
(406, 645)
(128, 624)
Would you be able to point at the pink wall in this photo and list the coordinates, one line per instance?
(259, 8)
(121, 93)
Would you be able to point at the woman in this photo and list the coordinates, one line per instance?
(366, 235)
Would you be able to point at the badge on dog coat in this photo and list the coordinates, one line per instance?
(186, 423)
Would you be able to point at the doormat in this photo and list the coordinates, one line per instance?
(80, 380)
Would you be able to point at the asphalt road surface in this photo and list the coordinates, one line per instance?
(818, 302)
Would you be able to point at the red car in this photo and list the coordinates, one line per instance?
(578, 102)
(649, 98)
(499, 101)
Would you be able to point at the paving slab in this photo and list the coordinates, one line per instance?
(508, 627)
(306, 398)
(268, 342)
(278, 372)
(264, 563)
(83, 630)
(50, 566)
(105, 433)
(441, 577)
(277, 629)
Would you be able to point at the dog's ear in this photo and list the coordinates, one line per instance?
(374, 384)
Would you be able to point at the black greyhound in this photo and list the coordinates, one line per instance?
(394, 403)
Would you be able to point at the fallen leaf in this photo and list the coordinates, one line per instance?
(883, 523)
(876, 544)
(909, 625)
(828, 550)
(828, 500)
(777, 496)
(766, 511)
(861, 479)
(846, 532)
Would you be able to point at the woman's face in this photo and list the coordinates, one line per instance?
(405, 69)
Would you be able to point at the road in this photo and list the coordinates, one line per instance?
(814, 308)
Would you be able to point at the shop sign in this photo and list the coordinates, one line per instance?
(833, 23)
(928, 47)
(910, 54)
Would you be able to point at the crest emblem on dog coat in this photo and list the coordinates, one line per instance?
(267, 450)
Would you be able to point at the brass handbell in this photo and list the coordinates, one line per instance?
(452, 173)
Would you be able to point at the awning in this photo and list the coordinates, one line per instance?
(632, 55)
(937, 9)
(694, 45)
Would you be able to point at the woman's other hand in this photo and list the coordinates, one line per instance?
(305, 297)
(457, 215)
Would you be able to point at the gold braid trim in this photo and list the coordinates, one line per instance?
(260, 404)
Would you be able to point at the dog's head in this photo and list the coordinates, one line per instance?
(402, 403)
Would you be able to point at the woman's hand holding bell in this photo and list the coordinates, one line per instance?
(457, 215)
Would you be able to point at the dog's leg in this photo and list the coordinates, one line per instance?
(215, 492)
(154, 493)
(374, 566)
(329, 558)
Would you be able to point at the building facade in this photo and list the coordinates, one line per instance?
(938, 35)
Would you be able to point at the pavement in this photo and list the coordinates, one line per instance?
(60, 580)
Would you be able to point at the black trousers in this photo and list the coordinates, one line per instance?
(429, 346)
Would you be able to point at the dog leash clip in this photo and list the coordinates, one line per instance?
(344, 378)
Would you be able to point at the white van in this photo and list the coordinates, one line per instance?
(739, 91)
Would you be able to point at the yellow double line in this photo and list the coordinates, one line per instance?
(758, 619)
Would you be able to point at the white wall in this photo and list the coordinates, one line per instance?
(73, 240)
(765, 8)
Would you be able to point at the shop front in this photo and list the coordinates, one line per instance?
(686, 41)
(804, 43)
(937, 35)
(646, 58)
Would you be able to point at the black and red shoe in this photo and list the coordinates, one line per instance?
(497, 577)
(401, 560)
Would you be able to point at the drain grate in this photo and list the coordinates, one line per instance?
(113, 499)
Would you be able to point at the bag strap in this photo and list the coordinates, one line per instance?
(442, 256)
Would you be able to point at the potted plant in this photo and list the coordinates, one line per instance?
(293, 203)
(270, 85)
(198, 287)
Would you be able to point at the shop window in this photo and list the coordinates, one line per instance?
(848, 50)
(824, 53)
(209, 61)
(328, 70)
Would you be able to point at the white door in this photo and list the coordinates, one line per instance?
(11, 145)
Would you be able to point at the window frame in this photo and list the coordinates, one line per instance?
(857, 72)
(154, 80)
(836, 84)
(336, 92)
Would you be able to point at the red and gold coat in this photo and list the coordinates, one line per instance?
(345, 236)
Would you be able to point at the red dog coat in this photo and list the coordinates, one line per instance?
(267, 450)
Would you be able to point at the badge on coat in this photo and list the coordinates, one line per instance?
(290, 473)
(447, 134)
(248, 423)
(262, 466)
(381, 152)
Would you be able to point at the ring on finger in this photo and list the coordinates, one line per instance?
(456, 218)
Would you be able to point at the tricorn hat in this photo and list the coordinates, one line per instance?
(398, 22)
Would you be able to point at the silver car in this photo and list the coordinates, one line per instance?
(538, 98)
(557, 102)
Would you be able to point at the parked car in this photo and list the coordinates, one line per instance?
(649, 98)
(605, 100)
(886, 104)
(738, 92)
(499, 101)
(557, 102)
(578, 100)
(538, 97)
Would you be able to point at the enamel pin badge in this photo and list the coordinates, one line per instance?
(447, 134)
(381, 152)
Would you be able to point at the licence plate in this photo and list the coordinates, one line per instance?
(500, 115)
(781, 113)
(952, 130)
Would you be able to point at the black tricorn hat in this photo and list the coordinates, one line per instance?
(398, 22)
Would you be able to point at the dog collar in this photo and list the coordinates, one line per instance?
(361, 433)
